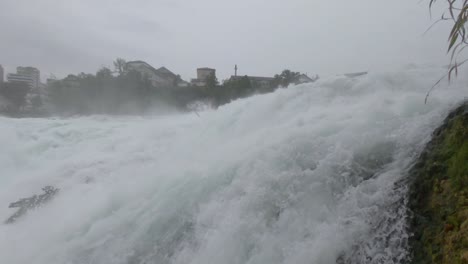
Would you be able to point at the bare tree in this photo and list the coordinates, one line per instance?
(120, 65)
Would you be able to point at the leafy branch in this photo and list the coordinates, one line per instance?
(458, 13)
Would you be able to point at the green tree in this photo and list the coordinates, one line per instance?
(211, 81)
(36, 102)
(16, 92)
(238, 88)
(245, 83)
(285, 78)
(104, 73)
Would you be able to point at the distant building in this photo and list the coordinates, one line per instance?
(28, 75)
(204, 73)
(161, 77)
(303, 78)
(14, 77)
(1, 75)
(256, 82)
(172, 77)
(202, 76)
(31, 72)
(355, 74)
(198, 82)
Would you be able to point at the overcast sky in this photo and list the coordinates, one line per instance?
(261, 36)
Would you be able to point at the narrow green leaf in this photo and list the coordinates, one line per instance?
(452, 42)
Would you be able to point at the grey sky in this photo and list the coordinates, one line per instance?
(261, 36)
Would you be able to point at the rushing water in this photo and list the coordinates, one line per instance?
(309, 174)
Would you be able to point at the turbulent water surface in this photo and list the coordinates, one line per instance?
(309, 174)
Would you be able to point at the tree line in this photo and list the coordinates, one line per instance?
(123, 91)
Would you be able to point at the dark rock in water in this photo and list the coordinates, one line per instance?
(32, 202)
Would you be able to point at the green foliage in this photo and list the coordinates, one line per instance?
(285, 78)
(240, 87)
(36, 102)
(457, 147)
(211, 81)
(15, 92)
(244, 84)
(439, 195)
(104, 74)
(457, 13)
(458, 167)
(102, 93)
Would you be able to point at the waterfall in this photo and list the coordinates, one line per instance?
(308, 174)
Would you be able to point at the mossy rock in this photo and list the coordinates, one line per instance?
(438, 197)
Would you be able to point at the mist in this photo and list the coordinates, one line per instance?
(261, 37)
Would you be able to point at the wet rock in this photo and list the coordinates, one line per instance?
(32, 202)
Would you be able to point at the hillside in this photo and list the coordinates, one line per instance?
(439, 194)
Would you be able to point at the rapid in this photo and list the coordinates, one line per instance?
(316, 173)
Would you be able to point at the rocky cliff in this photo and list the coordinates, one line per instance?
(438, 198)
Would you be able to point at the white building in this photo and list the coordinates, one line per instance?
(14, 77)
(202, 76)
(161, 77)
(303, 78)
(29, 75)
(34, 73)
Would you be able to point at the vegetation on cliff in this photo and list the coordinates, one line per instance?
(439, 195)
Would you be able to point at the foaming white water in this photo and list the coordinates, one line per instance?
(309, 174)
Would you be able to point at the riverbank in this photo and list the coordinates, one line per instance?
(439, 195)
